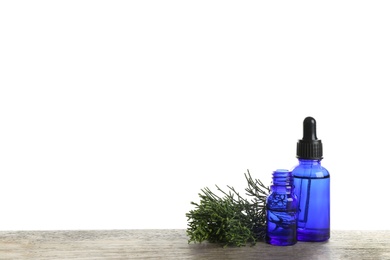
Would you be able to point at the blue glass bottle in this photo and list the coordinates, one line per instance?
(282, 210)
(312, 187)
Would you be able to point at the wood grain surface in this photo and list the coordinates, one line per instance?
(172, 244)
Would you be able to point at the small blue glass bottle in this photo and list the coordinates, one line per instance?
(312, 187)
(282, 210)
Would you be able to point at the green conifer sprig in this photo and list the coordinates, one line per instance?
(229, 219)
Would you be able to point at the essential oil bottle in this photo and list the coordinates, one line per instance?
(282, 210)
(312, 187)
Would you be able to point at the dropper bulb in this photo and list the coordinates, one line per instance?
(309, 129)
(309, 147)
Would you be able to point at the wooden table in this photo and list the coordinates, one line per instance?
(172, 244)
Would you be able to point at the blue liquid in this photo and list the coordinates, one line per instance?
(313, 208)
(281, 227)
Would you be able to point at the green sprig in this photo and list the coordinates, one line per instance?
(230, 219)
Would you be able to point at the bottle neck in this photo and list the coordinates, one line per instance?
(310, 161)
(282, 178)
(286, 189)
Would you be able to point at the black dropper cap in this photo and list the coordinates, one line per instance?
(309, 147)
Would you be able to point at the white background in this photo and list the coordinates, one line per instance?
(114, 114)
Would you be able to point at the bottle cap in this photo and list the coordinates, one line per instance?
(309, 147)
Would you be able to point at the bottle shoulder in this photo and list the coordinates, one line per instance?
(310, 171)
(281, 201)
